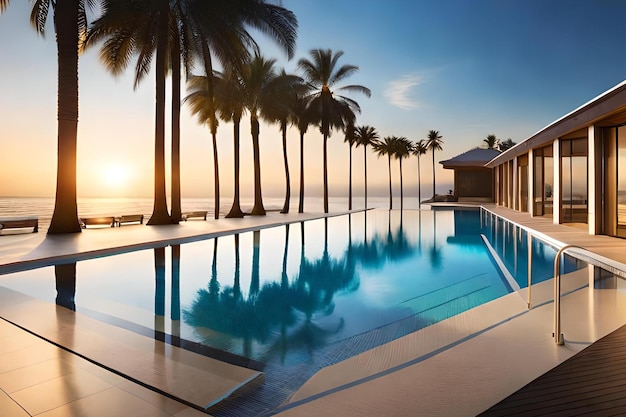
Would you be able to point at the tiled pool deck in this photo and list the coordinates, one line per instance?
(459, 367)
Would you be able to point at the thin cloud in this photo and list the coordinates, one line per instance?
(398, 92)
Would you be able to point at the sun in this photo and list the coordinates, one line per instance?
(116, 176)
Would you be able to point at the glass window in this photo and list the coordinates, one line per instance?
(574, 181)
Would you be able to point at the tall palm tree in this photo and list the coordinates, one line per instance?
(301, 117)
(387, 146)
(278, 109)
(219, 28)
(350, 139)
(70, 25)
(419, 148)
(402, 149)
(492, 142)
(141, 26)
(332, 111)
(365, 135)
(258, 77)
(434, 142)
(229, 96)
(203, 104)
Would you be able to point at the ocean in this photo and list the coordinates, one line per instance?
(43, 207)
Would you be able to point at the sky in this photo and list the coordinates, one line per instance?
(467, 68)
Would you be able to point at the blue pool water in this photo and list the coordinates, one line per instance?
(291, 299)
(513, 246)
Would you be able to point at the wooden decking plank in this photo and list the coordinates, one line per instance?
(540, 391)
(592, 381)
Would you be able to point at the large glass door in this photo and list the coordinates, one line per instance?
(543, 179)
(522, 182)
(574, 181)
(621, 181)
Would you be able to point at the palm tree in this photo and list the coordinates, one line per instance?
(140, 27)
(203, 104)
(70, 25)
(331, 110)
(491, 141)
(258, 78)
(387, 146)
(228, 39)
(365, 135)
(229, 95)
(507, 144)
(402, 149)
(434, 142)
(419, 148)
(350, 139)
(301, 117)
(278, 109)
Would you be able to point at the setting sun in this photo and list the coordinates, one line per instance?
(116, 176)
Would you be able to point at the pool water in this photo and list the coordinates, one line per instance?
(294, 298)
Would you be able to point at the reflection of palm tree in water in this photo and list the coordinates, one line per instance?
(275, 305)
(175, 297)
(436, 258)
(65, 280)
(159, 291)
(313, 292)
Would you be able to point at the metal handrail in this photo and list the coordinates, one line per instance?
(583, 254)
(558, 336)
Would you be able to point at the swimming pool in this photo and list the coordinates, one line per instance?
(291, 299)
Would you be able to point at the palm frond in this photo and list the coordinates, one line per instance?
(39, 14)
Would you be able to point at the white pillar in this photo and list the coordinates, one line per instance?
(591, 178)
(531, 183)
(556, 187)
(515, 205)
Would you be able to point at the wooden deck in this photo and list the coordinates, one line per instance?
(593, 382)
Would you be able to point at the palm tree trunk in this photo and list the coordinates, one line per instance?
(216, 173)
(350, 181)
(325, 173)
(401, 191)
(390, 196)
(235, 210)
(419, 184)
(365, 170)
(255, 282)
(176, 197)
(301, 200)
(258, 209)
(283, 128)
(160, 214)
(433, 149)
(65, 215)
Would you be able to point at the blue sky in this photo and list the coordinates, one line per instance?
(467, 68)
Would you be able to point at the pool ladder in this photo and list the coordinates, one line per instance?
(558, 336)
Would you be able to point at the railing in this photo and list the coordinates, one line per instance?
(581, 253)
(558, 336)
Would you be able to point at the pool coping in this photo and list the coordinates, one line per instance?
(37, 250)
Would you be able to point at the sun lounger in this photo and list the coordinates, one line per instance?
(19, 224)
(129, 218)
(97, 221)
(194, 214)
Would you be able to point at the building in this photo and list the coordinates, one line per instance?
(472, 180)
(573, 170)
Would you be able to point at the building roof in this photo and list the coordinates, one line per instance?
(476, 157)
(607, 109)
